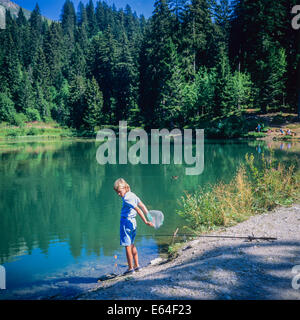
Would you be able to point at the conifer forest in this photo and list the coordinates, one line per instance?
(190, 63)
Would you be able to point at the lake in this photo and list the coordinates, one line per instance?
(59, 214)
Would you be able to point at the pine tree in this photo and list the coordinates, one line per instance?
(154, 62)
(169, 111)
(126, 81)
(258, 31)
(81, 15)
(41, 72)
(25, 95)
(223, 88)
(53, 51)
(41, 103)
(100, 16)
(7, 109)
(91, 19)
(102, 61)
(177, 7)
(10, 71)
(36, 28)
(197, 29)
(93, 99)
(68, 23)
(78, 66)
(61, 111)
(273, 91)
(76, 101)
(205, 84)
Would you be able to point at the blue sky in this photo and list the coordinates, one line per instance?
(52, 9)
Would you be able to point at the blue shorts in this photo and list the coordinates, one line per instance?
(127, 231)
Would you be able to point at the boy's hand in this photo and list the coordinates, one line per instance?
(150, 224)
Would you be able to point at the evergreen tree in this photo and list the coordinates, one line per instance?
(197, 29)
(102, 62)
(257, 37)
(61, 111)
(68, 23)
(91, 19)
(41, 103)
(40, 69)
(81, 15)
(273, 92)
(100, 16)
(77, 63)
(76, 100)
(205, 85)
(223, 87)
(155, 62)
(7, 109)
(169, 108)
(93, 106)
(35, 37)
(191, 61)
(24, 36)
(126, 81)
(10, 72)
(25, 95)
(53, 51)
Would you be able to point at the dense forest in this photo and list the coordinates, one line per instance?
(191, 62)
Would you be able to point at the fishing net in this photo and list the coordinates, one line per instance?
(156, 217)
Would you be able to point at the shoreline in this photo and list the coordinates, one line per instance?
(208, 268)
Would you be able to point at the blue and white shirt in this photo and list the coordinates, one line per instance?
(130, 201)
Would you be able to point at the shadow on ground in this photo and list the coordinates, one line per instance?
(246, 270)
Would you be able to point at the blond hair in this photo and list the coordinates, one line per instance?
(121, 183)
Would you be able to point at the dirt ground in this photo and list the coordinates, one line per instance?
(216, 268)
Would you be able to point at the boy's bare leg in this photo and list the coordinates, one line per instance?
(129, 256)
(135, 255)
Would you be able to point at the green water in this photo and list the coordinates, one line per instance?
(59, 215)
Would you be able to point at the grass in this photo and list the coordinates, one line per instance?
(52, 129)
(257, 187)
(253, 134)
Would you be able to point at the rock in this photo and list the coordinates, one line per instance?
(156, 261)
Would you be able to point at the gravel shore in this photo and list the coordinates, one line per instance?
(215, 268)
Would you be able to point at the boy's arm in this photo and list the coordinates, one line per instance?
(141, 214)
(143, 207)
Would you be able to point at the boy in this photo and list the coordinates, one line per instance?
(131, 204)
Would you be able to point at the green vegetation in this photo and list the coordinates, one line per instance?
(257, 187)
(41, 129)
(255, 135)
(193, 63)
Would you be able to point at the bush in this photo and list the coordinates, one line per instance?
(19, 119)
(262, 187)
(33, 114)
(220, 206)
(17, 132)
(33, 131)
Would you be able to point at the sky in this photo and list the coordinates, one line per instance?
(52, 9)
